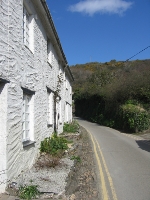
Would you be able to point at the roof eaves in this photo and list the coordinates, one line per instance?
(53, 28)
(69, 72)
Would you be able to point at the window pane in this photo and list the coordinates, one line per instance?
(26, 117)
(24, 135)
(27, 126)
(26, 28)
(27, 108)
(24, 24)
(27, 135)
(23, 126)
(50, 108)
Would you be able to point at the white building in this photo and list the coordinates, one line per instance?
(33, 71)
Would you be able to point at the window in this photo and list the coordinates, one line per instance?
(66, 84)
(50, 54)
(50, 97)
(60, 112)
(66, 112)
(28, 29)
(28, 117)
(70, 90)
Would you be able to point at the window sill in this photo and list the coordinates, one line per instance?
(49, 64)
(31, 51)
(49, 125)
(28, 142)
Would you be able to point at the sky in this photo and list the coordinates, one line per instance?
(102, 30)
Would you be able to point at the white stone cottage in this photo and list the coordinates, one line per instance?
(33, 71)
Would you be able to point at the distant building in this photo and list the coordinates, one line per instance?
(33, 73)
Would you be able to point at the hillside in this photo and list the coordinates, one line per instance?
(82, 71)
(101, 89)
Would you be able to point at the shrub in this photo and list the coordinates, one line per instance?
(134, 118)
(110, 123)
(28, 192)
(71, 127)
(54, 145)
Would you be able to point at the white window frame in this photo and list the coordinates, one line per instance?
(66, 84)
(70, 113)
(50, 53)
(28, 118)
(70, 90)
(28, 29)
(50, 107)
(60, 111)
(66, 112)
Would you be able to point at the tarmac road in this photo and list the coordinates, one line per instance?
(123, 163)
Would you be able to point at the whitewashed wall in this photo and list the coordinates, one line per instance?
(29, 70)
(4, 71)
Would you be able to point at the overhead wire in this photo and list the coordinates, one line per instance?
(137, 53)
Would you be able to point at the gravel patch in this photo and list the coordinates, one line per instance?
(49, 180)
(70, 179)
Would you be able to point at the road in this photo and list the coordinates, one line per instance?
(123, 163)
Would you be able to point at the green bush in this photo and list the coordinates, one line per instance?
(134, 118)
(54, 145)
(71, 127)
(110, 123)
(28, 192)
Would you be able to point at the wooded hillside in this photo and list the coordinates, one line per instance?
(115, 94)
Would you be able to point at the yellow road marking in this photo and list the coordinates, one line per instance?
(108, 174)
(104, 190)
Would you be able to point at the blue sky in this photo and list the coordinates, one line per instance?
(102, 30)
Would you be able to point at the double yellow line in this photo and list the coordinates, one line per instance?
(104, 191)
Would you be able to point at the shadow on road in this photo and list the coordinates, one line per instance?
(144, 144)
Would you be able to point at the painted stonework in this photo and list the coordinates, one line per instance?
(28, 68)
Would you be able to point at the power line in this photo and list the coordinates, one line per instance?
(137, 53)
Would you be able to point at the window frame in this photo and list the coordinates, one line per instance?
(70, 90)
(28, 29)
(60, 111)
(67, 83)
(50, 107)
(28, 117)
(50, 53)
(66, 112)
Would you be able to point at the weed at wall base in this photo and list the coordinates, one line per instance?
(28, 192)
(71, 127)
